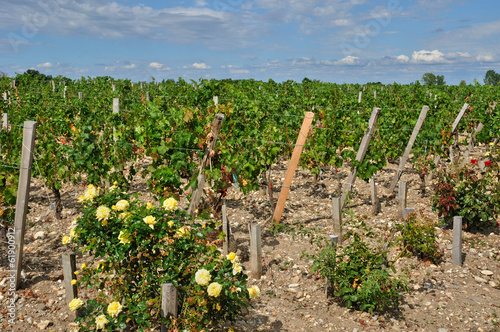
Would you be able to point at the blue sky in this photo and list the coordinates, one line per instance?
(354, 41)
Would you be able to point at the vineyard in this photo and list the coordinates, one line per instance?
(157, 139)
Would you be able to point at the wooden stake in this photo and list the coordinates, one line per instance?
(332, 242)
(292, 166)
(169, 299)
(406, 154)
(403, 190)
(374, 197)
(23, 193)
(255, 251)
(363, 148)
(69, 268)
(337, 217)
(196, 195)
(226, 229)
(359, 97)
(457, 241)
(80, 95)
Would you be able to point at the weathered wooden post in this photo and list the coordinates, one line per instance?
(23, 193)
(255, 251)
(169, 303)
(457, 241)
(403, 190)
(337, 217)
(332, 242)
(226, 229)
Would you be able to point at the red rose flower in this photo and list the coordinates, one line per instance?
(473, 161)
(487, 163)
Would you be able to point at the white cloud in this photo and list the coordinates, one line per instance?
(485, 58)
(110, 68)
(132, 66)
(45, 65)
(424, 56)
(350, 61)
(156, 65)
(200, 3)
(201, 65)
(402, 58)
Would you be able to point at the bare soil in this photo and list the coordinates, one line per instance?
(444, 297)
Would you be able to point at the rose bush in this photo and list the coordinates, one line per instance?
(135, 248)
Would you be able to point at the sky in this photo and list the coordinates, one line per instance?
(356, 41)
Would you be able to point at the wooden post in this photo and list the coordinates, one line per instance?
(4, 96)
(403, 190)
(292, 166)
(113, 87)
(5, 121)
(337, 217)
(196, 195)
(53, 86)
(255, 251)
(361, 152)
(374, 197)
(169, 305)
(359, 97)
(216, 100)
(226, 229)
(457, 241)
(80, 95)
(332, 242)
(406, 154)
(23, 193)
(471, 144)
(147, 95)
(64, 92)
(69, 268)
(13, 84)
(116, 110)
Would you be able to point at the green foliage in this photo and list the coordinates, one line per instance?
(361, 275)
(469, 192)
(431, 79)
(419, 238)
(8, 194)
(135, 248)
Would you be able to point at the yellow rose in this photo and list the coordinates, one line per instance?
(101, 321)
(75, 304)
(84, 266)
(170, 204)
(124, 215)
(150, 220)
(76, 273)
(90, 194)
(73, 281)
(72, 233)
(254, 292)
(184, 231)
(122, 205)
(214, 289)
(237, 268)
(202, 277)
(103, 212)
(114, 309)
(149, 205)
(66, 240)
(170, 223)
(124, 238)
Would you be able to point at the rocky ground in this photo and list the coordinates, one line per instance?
(444, 297)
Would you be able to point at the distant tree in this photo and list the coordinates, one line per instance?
(463, 83)
(492, 78)
(440, 80)
(431, 79)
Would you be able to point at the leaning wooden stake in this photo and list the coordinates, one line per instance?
(457, 241)
(23, 193)
(297, 151)
(169, 307)
(255, 251)
(363, 148)
(196, 195)
(406, 154)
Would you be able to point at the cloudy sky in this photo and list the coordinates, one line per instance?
(354, 41)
